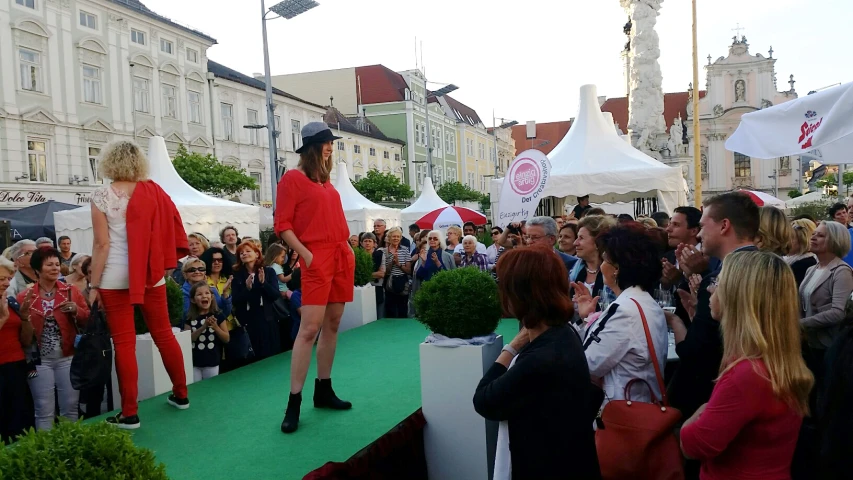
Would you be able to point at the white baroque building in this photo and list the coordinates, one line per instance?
(77, 74)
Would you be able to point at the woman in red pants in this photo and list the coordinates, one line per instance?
(310, 219)
(138, 235)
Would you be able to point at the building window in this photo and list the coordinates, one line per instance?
(437, 178)
(482, 184)
(357, 177)
(296, 134)
(472, 181)
(91, 84)
(420, 175)
(37, 156)
(469, 147)
(140, 95)
(372, 152)
(94, 153)
(170, 101)
(137, 37)
(451, 175)
(256, 193)
(396, 157)
(165, 46)
(436, 140)
(226, 112)
(27, 3)
(341, 146)
(194, 106)
(385, 155)
(192, 55)
(88, 20)
(252, 119)
(450, 143)
(30, 70)
(356, 149)
(481, 150)
(743, 166)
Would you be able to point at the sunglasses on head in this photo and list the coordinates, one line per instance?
(195, 269)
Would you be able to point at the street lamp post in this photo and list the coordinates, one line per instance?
(438, 93)
(287, 9)
(495, 131)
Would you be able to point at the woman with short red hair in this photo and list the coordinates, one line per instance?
(253, 291)
(545, 401)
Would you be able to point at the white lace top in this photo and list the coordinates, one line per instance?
(113, 203)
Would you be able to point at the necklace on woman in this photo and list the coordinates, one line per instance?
(592, 272)
(49, 294)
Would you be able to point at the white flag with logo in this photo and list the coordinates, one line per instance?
(522, 187)
(821, 122)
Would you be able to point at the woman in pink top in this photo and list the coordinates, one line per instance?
(749, 427)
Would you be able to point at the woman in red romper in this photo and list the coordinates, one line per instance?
(310, 219)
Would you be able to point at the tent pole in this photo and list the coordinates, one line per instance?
(697, 152)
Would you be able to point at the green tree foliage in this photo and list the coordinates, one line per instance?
(486, 202)
(452, 192)
(79, 451)
(206, 174)
(794, 193)
(816, 210)
(383, 187)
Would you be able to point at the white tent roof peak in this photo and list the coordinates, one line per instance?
(351, 199)
(427, 201)
(162, 171)
(592, 159)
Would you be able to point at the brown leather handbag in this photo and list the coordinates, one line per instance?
(636, 440)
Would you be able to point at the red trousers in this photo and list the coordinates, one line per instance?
(119, 314)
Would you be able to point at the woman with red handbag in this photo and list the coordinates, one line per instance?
(749, 427)
(626, 350)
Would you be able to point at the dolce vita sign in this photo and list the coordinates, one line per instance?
(522, 187)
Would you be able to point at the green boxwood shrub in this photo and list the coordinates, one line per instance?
(460, 303)
(175, 301)
(363, 267)
(78, 451)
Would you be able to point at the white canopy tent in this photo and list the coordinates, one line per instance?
(810, 197)
(199, 212)
(593, 160)
(361, 212)
(426, 202)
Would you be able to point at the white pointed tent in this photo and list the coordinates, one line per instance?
(426, 202)
(361, 212)
(199, 212)
(593, 160)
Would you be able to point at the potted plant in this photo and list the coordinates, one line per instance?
(362, 309)
(457, 304)
(153, 379)
(79, 451)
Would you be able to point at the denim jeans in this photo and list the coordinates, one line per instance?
(54, 375)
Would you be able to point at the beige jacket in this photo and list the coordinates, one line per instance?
(823, 315)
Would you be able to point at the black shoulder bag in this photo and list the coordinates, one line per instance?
(93, 355)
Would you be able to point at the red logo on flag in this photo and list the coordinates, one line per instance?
(808, 128)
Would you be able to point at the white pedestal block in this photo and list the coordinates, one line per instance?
(153, 379)
(458, 442)
(362, 309)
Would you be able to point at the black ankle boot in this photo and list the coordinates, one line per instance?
(291, 415)
(324, 396)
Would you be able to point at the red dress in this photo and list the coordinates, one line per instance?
(314, 213)
(745, 432)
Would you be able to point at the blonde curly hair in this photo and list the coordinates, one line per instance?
(123, 160)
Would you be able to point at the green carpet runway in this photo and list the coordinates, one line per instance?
(231, 430)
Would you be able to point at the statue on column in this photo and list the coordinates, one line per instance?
(676, 136)
(645, 107)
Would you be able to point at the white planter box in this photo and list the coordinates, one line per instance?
(362, 309)
(153, 379)
(458, 442)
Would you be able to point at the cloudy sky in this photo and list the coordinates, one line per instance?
(524, 59)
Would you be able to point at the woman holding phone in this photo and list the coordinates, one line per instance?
(432, 258)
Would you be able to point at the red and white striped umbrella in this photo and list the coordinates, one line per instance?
(764, 199)
(448, 216)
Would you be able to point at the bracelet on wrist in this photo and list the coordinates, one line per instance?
(509, 348)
